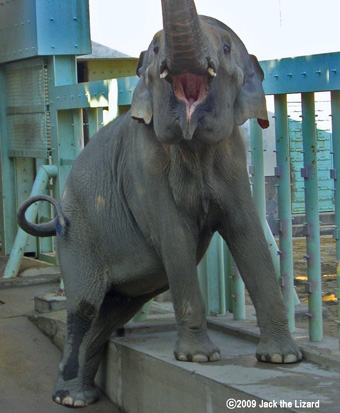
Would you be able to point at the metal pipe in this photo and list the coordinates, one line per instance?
(227, 259)
(143, 313)
(239, 306)
(310, 173)
(335, 102)
(256, 143)
(213, 276)
(221, 276)
(284, 203)
(41, 181)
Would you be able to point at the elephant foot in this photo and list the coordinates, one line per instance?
(278, 350)
(196, 347)
(71, 398)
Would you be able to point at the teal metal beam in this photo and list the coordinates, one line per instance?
(7, 178)
(82, 95)
(41, 181)
(126, 86)
(314, 73)
(310, 173)
(335, 173)
(284, 203)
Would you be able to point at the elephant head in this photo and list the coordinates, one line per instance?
(197, 80)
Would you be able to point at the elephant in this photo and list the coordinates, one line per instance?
(145, 196)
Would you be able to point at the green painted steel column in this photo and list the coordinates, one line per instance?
(228, 261)
(239, 305)
(336, 175)
(256, 144)
(221, 276)
(284, 203)
(8, 223)
(214, 269)
(18, 250)
(310, 173)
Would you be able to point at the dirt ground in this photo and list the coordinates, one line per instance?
(329, 281)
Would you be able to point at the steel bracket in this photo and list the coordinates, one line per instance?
(305, 173)
(308, 288)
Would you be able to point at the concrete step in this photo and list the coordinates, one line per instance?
(140, 374)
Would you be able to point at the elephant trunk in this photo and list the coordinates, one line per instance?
(185, 41)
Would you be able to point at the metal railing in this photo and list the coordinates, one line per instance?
(304, 75)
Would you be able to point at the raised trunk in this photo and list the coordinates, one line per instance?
(185, 41)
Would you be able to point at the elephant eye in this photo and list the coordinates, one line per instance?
(156, 49)
(226, 49)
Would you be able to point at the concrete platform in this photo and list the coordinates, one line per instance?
(140, 374)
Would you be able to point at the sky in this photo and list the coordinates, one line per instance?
(270, 29)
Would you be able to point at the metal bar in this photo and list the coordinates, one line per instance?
(284, 203)
(239, 307)
(312, 216)
(41, 181)
(221, 276)
(335, 102)
(256, 144)
(8, 223)
(143, 313)
(228, 261)
(213, 276)
(315, 73)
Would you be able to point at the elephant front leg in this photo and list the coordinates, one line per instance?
(242, 231)
(193, 343)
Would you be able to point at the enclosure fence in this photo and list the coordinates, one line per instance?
(222, 287)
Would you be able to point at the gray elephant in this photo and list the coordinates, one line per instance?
(145, 196)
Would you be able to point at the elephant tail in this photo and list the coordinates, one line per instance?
(56, 226)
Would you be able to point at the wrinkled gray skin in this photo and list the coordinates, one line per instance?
(147, 193)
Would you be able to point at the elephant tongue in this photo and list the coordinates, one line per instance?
(190, 88)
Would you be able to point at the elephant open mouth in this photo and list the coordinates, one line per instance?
(191, 89)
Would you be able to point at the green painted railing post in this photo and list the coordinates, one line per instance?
(221, 276)
(239, 306)
(256, 144)
(228, 261)
(41, 181)
(335, 173)
(282, 173)
(310, 173)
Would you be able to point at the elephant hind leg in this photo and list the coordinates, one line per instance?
(75, 386)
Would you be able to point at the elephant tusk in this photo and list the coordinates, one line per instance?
(164, 74)
(212, 72)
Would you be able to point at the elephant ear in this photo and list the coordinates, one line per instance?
(141, 106)
(250, 101)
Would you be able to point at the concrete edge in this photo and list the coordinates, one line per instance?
(29, 281)
(325, 353)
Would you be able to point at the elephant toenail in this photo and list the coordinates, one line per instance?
(79, 403)
(276, 358)
(200, 358)
(263, 358)
(57, 400)
(182, 357)
(215, 357)
(291, 358)
(68, 401)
